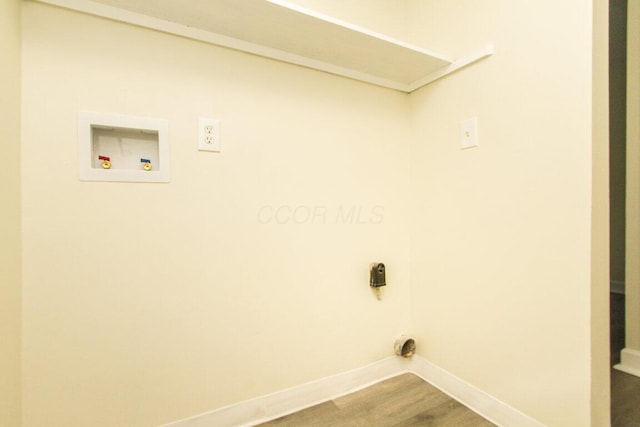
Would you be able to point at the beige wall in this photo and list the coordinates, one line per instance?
(600, 269)
(146, 303)
(502, 233)
(632, 313)
(10, 213)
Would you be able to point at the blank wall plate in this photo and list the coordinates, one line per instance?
(469, 133)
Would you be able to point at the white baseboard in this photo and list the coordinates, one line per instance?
(472, 397)
(629, 362)
(275, 405)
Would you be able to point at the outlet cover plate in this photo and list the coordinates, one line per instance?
(209, 135)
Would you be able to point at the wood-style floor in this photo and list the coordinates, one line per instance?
(402, 401)
(625, 388)
(625, 400)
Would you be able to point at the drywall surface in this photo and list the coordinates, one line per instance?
(501, 236)
(10, 213)
(600, 231)
(247, 273)
(387, 17)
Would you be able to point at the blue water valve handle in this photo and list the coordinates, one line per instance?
(146, 164)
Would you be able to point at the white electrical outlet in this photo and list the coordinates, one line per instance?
(209, 134)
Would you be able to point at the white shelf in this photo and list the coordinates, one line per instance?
(280, 30)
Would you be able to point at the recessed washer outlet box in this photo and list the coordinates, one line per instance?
(115, 147)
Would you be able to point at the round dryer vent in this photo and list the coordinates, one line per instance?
(405, 346)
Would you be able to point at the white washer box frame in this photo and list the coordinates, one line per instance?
(88, 120)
